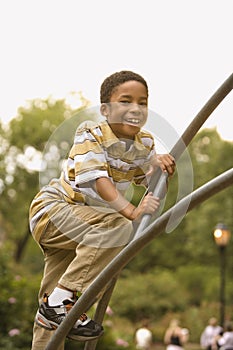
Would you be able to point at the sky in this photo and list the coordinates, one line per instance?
(183, 48)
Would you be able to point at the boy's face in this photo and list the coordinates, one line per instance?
(127, 110)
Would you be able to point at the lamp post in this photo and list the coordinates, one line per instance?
(222, 237)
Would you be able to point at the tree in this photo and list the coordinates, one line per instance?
(32, 141)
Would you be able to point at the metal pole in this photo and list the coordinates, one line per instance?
(100, 312)
(186, 138)
(222, 251)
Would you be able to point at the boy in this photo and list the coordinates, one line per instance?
(83, 220)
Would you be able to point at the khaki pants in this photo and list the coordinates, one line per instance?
(78, 242)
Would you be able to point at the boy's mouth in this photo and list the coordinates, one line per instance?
(133, 121)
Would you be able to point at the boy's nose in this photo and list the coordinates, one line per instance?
(135, 108)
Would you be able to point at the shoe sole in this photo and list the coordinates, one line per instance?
(52, 326)
(43, 322)
(84, 339)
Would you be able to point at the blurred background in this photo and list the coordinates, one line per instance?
(54, 58)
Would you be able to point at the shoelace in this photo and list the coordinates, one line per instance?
(83, 319)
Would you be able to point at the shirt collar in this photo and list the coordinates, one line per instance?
(109, 138)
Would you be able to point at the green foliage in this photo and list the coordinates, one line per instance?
(148, 294)
(23, 154)
(17, 305)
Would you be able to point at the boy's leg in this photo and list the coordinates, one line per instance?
(56, 262)
(41, 338)
(96, 235)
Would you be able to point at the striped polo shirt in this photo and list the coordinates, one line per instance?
(96, 152)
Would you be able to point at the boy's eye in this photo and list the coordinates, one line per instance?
(124, 102)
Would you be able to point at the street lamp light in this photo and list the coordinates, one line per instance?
(222, 237)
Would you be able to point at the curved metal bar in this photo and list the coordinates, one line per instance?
(158, 182)
(176, 151)
(100, 312)
(202, 116)
(154, 229)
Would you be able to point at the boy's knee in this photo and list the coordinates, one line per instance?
(114, 230)
(122, 231)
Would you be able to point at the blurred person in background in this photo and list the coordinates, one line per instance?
(208, 336)
(143, 336)
(175, 337)
(224, 341)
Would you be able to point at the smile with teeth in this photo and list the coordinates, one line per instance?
(133, 121)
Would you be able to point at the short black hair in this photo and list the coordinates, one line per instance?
(110, 83)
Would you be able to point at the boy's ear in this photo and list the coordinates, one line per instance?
(104, 109)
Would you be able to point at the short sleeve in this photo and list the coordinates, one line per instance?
(87, 159)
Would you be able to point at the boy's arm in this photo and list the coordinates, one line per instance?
(109, 193)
